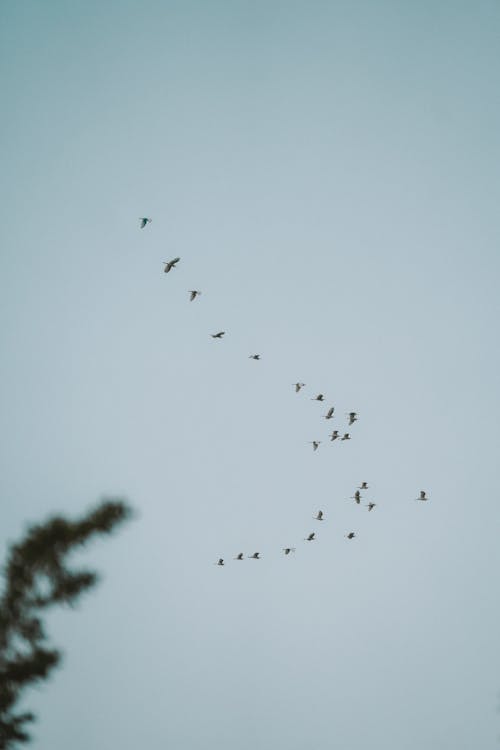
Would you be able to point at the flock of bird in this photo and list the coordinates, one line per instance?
(352, 417)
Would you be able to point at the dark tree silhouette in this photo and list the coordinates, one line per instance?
(36, 577)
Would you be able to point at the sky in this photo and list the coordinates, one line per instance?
(328, 173)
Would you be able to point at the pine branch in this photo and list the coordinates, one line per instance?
(37, 577)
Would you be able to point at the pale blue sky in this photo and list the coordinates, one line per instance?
(329, 174)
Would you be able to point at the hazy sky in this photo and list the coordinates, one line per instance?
(328, 173)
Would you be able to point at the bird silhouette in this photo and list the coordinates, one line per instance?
(329, 413)
(193, 294)
(315, 444)
(287, 550)
(144, 220)
(319, 516)
(319, 397)
(255, 556)
(254, 356)
(363, 486)
(169, 264)
(346, 436)
(239, 556)
(352, 417)
(371, 506)
(423, 495)
(298, 386)
(310, 538)
(356, 497)
(334, 435)
(218, 335)
(351, 535)
(219, 562)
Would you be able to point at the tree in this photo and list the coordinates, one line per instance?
(36, 577)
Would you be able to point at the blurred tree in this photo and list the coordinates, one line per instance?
(36, 577)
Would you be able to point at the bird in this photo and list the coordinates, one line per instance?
(255, 556)
(193, 294)
(254, 356)
(298, 386)
(144, 220)
(310, 538)
(352, 417)
(287, 550)
(371, 506)
(329, 413)
(346, 436)
(351, 535)
(239, 556)
(315, 444)
(169, 264)
(218, 335)
(319, 397)
(319, 516)
(334, 435)
(363, 486)
(423, 495)
(357, 497)
(220, 561)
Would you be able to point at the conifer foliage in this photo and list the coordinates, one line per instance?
(36, 577)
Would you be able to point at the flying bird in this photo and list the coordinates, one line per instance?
(193, 294)
(319, 397)
(352, 417)
(310, 538)
(346, 436)
(329, 413)
(144, 220)
(334, 435)
(319, 516)
(239, 556)
(315, 444)
(169, 264)
(423, 495)
(255, 556)
(219, 562)
(371, 506)
(287, 550)
(254, 356)
(218, 335)
(357, 497)
(363, 486)
(298, 386)
(351, 535)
